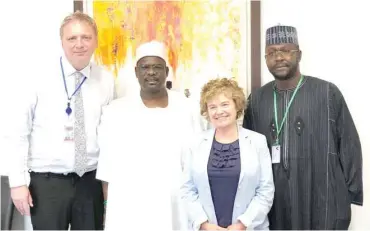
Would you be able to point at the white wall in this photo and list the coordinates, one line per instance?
(29, 42)
(334, 38)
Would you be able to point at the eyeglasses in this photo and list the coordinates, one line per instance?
(284, 53)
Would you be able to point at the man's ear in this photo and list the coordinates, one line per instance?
(136, 71)
(299, 56)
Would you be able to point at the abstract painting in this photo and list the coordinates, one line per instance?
(203, 37)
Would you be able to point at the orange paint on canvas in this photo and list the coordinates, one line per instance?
(189, 28)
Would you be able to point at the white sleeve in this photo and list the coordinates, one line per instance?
(105, 142)
(189, 192)
(20, 122)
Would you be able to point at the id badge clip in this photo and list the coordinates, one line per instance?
(275, 153)
(68, 130)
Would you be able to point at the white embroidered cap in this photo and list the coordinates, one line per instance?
(152, 48)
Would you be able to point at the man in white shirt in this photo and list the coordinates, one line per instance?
(54, 129)
(140, 139)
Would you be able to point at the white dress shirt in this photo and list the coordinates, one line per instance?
(39, 117)
(141, 159)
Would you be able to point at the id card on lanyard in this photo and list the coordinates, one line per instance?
(69, 129)
(69, 124)
(276, 147)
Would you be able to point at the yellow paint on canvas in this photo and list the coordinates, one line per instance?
(200, 35)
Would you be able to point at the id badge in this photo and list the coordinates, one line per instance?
(275, 154)
(68, 130)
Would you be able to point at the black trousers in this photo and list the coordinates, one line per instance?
(61, 200)
(7, 207)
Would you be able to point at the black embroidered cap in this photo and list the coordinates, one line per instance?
(281, 34)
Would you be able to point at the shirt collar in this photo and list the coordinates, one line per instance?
(169, 93)
(69, 70)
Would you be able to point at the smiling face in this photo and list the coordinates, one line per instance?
(79, 41)
(222, 102)
(151, 72)
(283, 60)
(222, 111)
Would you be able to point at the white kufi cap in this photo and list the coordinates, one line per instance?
(153, 48)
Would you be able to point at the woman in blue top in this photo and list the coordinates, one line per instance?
(227, 172)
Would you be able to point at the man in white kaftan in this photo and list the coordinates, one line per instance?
(140, 139)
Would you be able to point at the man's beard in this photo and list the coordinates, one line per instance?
(154, 91)
(289, 75)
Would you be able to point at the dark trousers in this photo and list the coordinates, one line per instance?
(7, 207)
(61, 200)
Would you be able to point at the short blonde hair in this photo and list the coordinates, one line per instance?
(225, 86)
(81, 17)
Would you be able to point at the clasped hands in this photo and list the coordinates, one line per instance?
(212, 227)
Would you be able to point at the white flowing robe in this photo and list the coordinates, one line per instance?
(140, 158)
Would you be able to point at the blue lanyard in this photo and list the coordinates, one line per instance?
(69, 110)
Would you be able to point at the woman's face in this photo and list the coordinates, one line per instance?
(221, 111)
